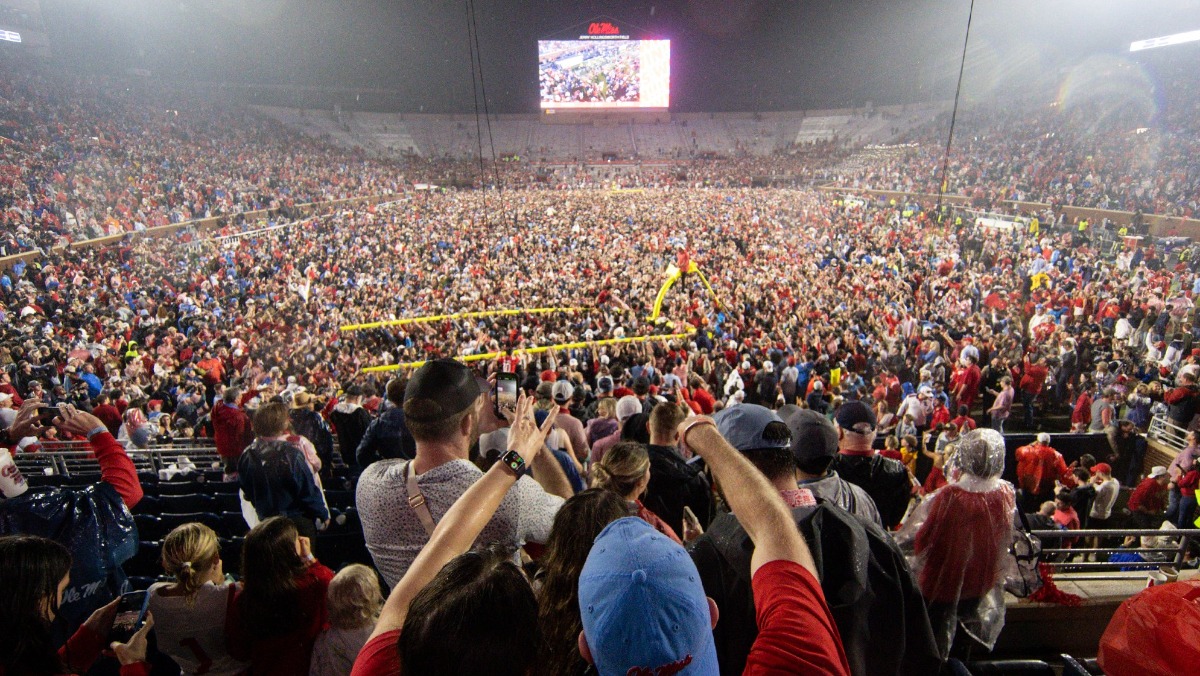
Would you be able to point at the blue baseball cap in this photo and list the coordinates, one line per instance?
(642, 604)
(750, 427)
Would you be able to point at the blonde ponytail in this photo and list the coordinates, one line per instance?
(188, 553)
(621, 468)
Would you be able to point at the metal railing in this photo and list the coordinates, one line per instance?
(51, 447)
(1169, 551)
(75, 457)
(1167, 433)
(68, 458)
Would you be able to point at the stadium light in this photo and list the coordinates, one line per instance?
(1165, 41)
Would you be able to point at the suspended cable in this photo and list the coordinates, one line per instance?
(943, 184)
(471, 42)
(487, 113)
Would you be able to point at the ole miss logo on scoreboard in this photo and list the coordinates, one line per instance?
(603, 28)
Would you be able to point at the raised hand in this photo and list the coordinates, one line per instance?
(525, 437)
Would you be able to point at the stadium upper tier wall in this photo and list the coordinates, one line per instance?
(1160, 226)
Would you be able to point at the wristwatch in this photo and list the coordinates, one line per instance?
(513, 462)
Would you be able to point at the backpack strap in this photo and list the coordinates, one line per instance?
(416, 500)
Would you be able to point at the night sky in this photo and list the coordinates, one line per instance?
(726, 54)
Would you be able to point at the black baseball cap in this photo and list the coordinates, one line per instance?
(813, 436)
(855, 416)
(440, 388)
(641, 385)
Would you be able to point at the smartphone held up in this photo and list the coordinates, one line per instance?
(505, 395)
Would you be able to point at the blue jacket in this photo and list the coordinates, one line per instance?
(278, 482)
(93, 383)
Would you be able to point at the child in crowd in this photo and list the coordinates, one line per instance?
(190, 612)
(1065, 515)
(908, 452)
(891, 448)
(354, 601)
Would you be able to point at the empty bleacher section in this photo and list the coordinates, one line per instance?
(684, 136)
(816, 129)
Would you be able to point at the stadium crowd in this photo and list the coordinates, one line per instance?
(660, 481)
(1102, 153)
(87, 159)
(84, 159)
(594, 73)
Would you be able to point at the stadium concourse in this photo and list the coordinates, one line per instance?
(844, 323)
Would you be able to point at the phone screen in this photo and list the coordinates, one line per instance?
(506, 393)
(48, 413)
(131, 612)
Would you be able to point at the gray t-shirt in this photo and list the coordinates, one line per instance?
(834, 489)
(335, 650)
(394, 533)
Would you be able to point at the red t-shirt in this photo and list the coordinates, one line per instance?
(796, 632)
(289, 653)
(704, 400)
(379, 657)
(1149, 496)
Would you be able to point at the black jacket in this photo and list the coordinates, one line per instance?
(870, 590)
(387, 438)
(351, 422)
(673, 484)
(884, 479)
(310, 425)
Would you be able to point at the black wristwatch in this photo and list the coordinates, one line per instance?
(513, 462)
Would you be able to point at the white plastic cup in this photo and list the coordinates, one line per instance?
(12, 482)
(1155, 578)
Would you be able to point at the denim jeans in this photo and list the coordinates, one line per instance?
(1186, 513)
(1028, 399)
(1173, 504)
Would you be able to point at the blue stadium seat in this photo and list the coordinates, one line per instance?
(43, 480)
(231, 554)
(338, 550)
(181, 487)
(227, 502)
(339, 500)
(233, 525)
(147, 562)
(1074, 667)
(149, 504)
(191, 502)
(1011, 668)
(149, 526)
(170, 521)
(220, 487)
(345, 521)
(80, 480)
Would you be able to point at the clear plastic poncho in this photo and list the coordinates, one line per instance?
(957, 542)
